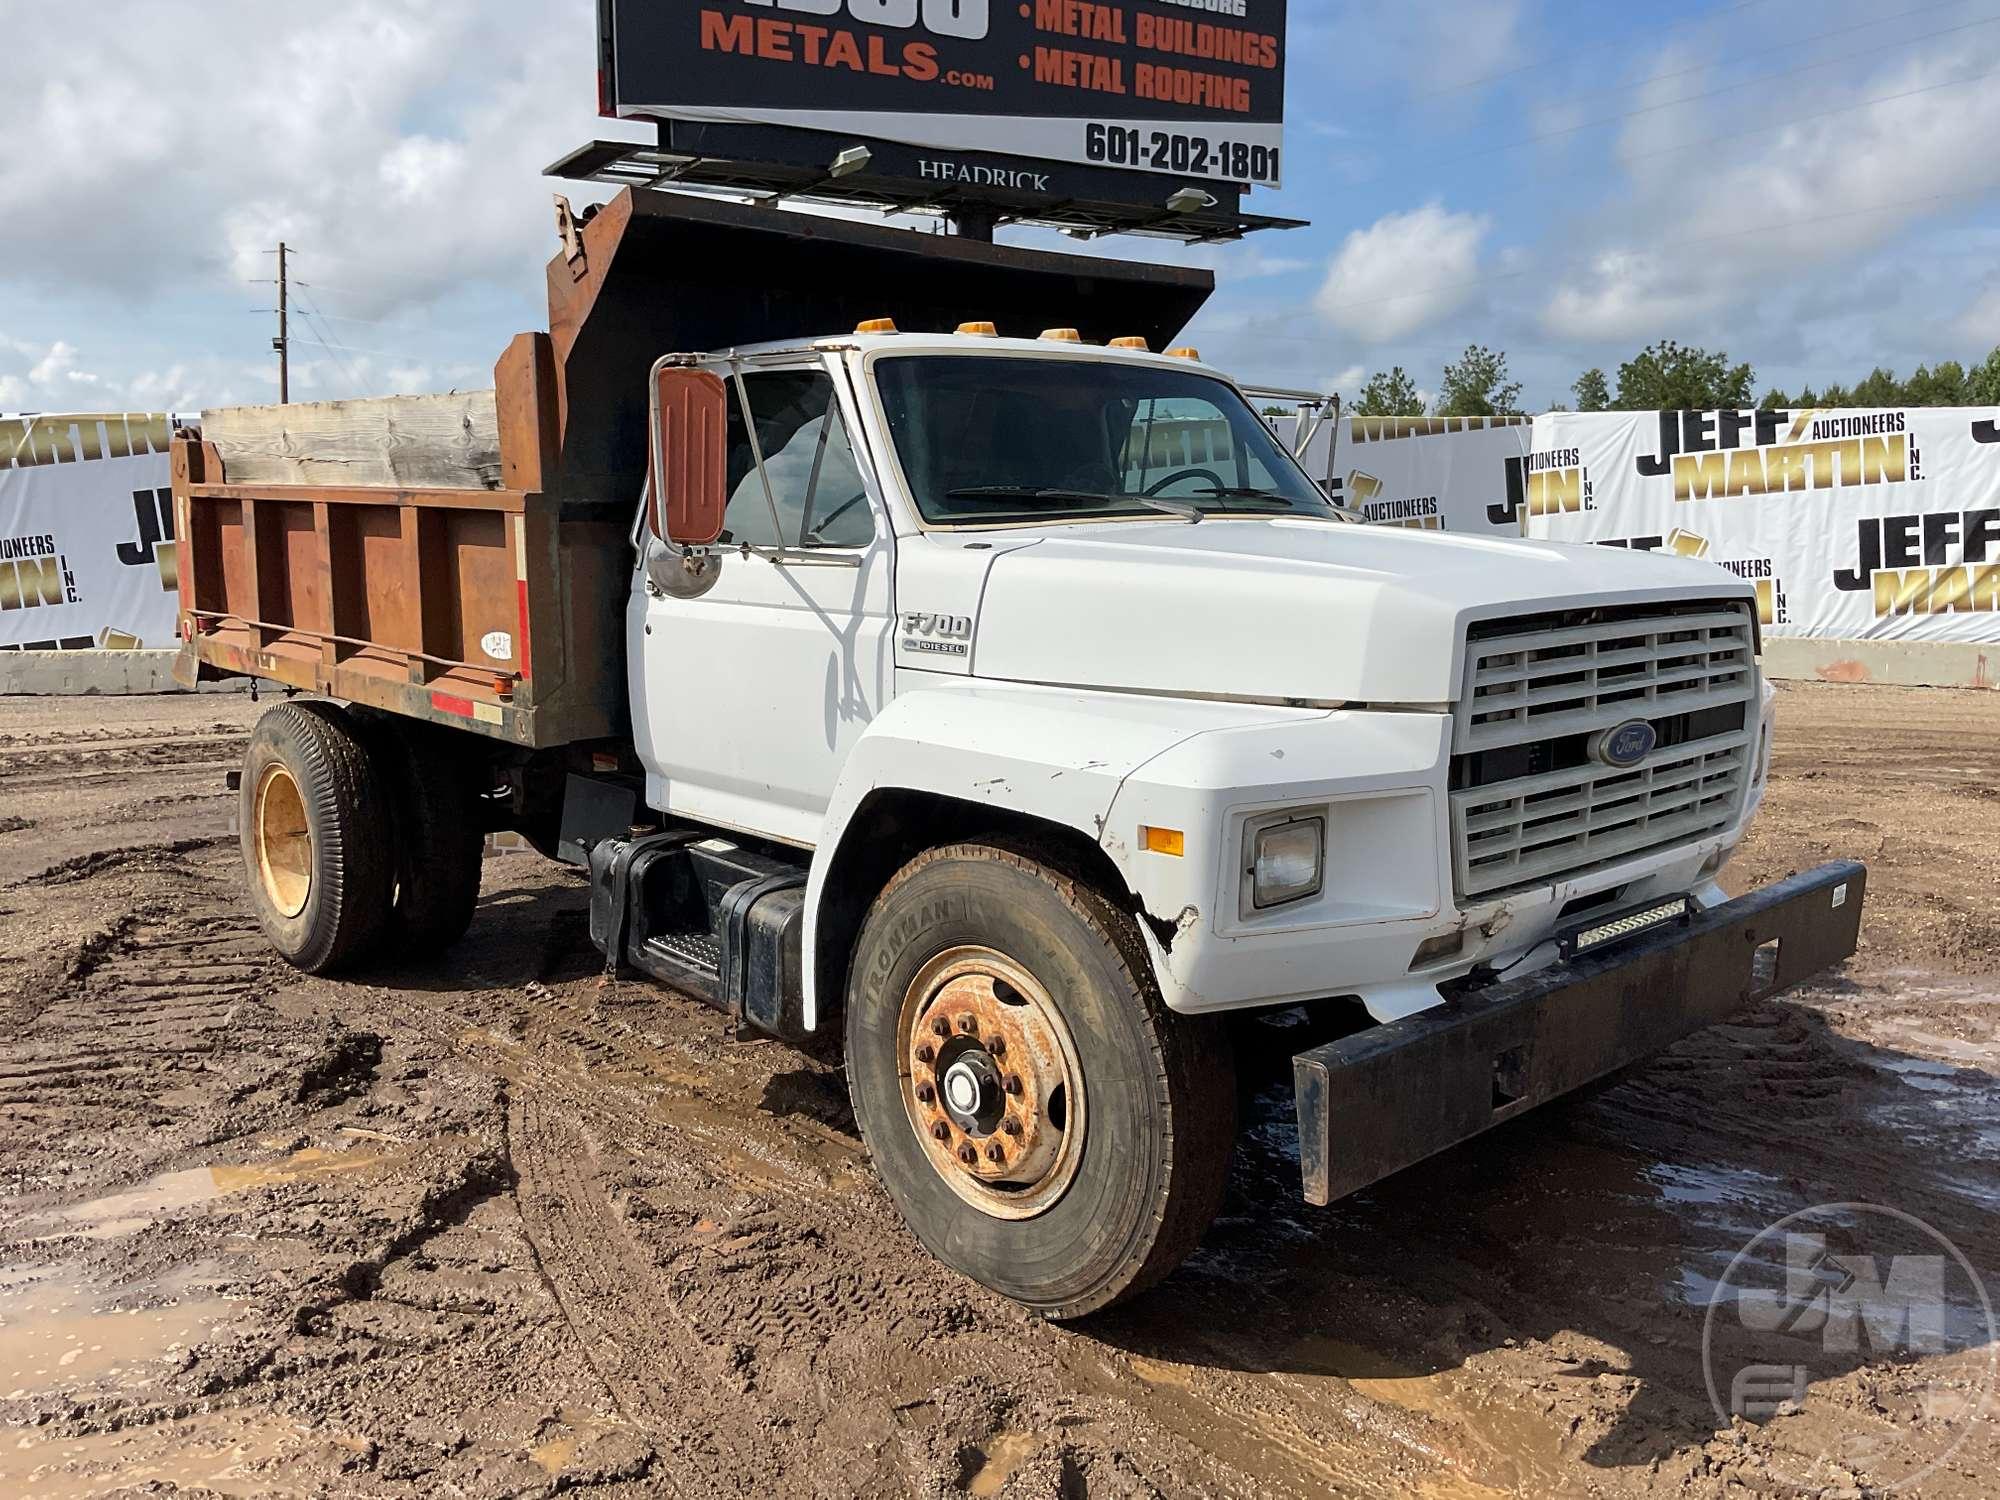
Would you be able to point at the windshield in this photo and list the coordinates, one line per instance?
(992, 440)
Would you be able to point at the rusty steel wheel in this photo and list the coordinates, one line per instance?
(315, 833)
(1040, 1119)
(284, 841)
(991, 1082)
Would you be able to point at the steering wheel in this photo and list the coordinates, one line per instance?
(1179, 474)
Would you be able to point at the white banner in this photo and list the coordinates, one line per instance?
(1436, 473)
(86, 532)
(1851, 524)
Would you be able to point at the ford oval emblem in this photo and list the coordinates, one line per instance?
(1625, 745)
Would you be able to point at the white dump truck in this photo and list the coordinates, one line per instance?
(851, 608)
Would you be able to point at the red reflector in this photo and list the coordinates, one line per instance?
(446, 703)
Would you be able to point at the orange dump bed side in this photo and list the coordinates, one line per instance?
(484, 608)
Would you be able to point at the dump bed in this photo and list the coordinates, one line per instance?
(466, 558)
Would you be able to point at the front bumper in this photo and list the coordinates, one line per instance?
(1383, 1099)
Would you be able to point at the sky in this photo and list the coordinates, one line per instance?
(1811, 185)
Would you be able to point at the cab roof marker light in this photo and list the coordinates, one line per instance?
(1062, 335)
(876, 325)
(978, 329)
(1130, 341)
(1186, 351)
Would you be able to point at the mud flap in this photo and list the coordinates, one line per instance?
(1378, 1101)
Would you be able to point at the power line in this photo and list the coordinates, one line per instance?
(1550, 172)
(1684, 244)
(1587, 47)
(1797, 42)
(1731, 88)
(325, 341)
(1822, 114)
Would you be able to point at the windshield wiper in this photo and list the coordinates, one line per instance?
(1244, 492)
(1184, 509)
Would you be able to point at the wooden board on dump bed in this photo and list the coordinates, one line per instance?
(450, 442)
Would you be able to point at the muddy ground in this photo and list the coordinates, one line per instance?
(490, 1225)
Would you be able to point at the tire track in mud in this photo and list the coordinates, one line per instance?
(657, 1371)
(768, 1310)
(140, 999)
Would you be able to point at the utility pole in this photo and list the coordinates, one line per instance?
(283, 343)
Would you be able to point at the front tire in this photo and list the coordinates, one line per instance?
(1044, 1124)
(315, 828)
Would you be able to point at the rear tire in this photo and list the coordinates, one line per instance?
(440, 839)
(1113, 1118)
(315, 836)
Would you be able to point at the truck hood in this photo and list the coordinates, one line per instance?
(1277, 609)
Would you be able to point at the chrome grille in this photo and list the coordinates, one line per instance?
(1529, 803)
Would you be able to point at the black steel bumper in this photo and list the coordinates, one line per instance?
(1382, 1099)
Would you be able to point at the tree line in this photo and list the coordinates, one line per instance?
(1669, 375)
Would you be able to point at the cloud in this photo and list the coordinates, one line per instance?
(1249, 261)
(396, 145)
(53, 377)
(1817, 172)
(1627, 293)
(1402, 273)
(1982, 320)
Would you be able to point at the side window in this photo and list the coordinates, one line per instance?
(815, 485)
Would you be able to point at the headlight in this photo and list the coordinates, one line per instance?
(1286, 858)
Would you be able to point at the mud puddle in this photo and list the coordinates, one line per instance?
(233, 1454)
(995, 1462)
(61, 1333)
(127, 1212)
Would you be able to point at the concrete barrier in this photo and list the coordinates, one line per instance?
(1897, 663)
(82, 673)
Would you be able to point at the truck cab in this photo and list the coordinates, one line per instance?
(976, 565)
(1004, 713)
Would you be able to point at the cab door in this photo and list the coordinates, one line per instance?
(749, 687)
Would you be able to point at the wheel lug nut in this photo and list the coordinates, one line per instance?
(1011, 1125)
(998, 1046)
(967, 1155)
(940, 1027)
(967, 1025)
(926, 1093)
(941, 1131)
(926, 1053)
(995, 1154)
(1013, 1084)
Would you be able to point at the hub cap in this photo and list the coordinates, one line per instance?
(284, 842)
(991, 1082)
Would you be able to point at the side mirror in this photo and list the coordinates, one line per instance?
(690, 423)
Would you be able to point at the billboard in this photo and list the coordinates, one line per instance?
(1849, 524)
(1191, 88)
(86, 532)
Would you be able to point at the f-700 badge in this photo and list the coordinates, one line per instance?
(941, 635)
